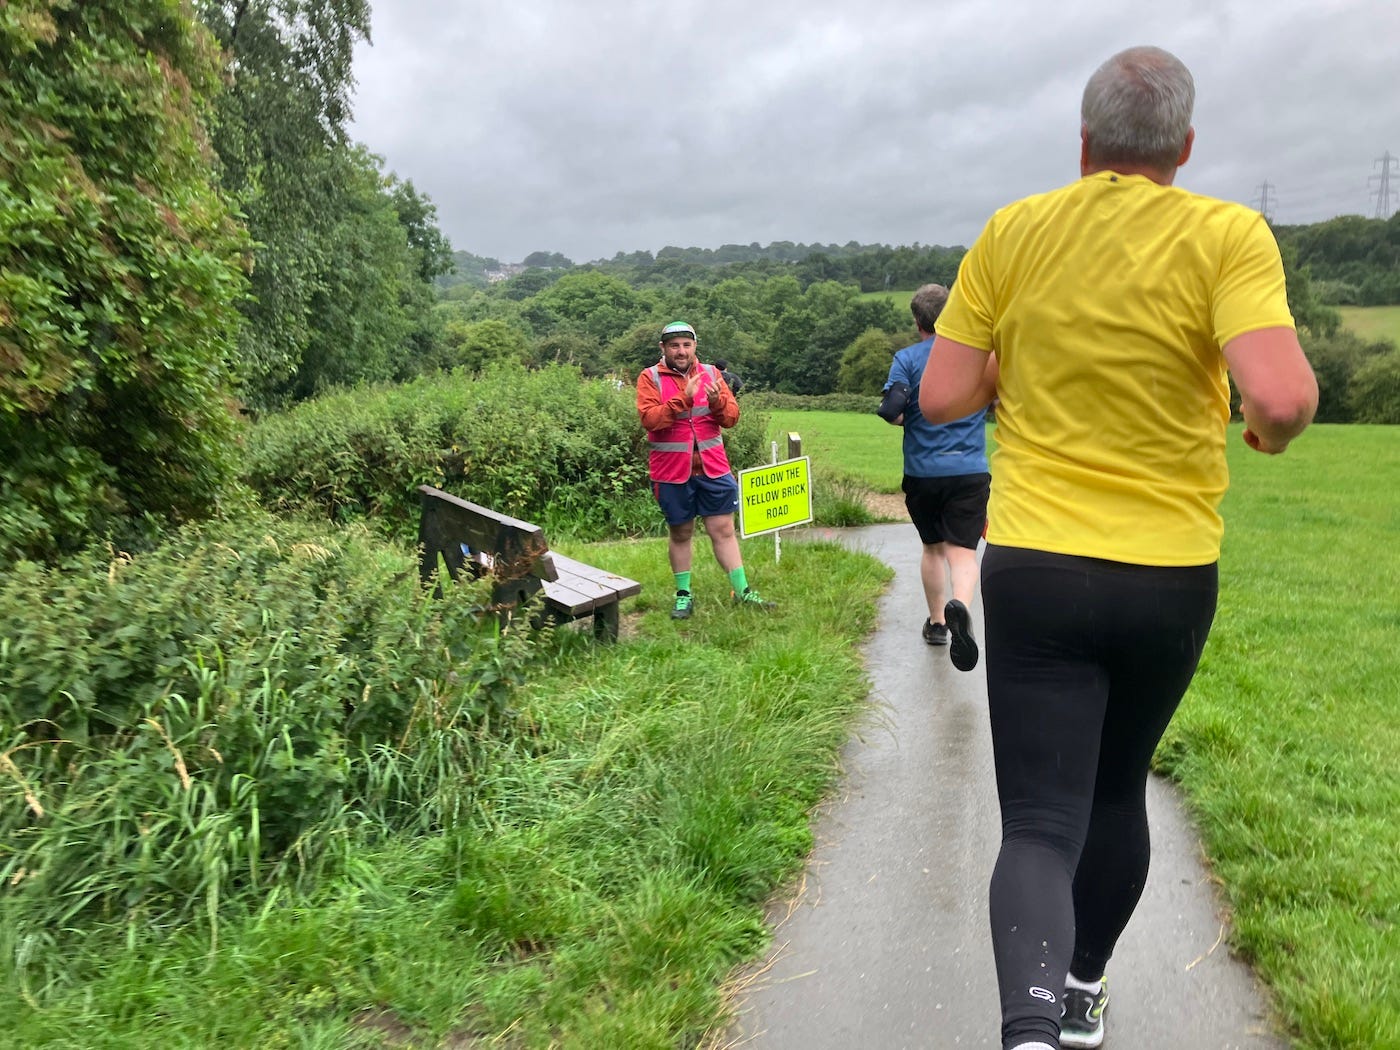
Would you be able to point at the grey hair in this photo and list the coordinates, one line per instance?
(1137, 108)
(927, 304)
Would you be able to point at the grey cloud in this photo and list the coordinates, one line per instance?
(604, 127)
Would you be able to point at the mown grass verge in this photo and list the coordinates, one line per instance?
(609, 871)
(1288, 745)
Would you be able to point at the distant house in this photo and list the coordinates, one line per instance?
(505, 273)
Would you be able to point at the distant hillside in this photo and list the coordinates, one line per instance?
(1353, 261)
(875, 267)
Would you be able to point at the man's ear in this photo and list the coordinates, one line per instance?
(1186, 149)
(1083, 150)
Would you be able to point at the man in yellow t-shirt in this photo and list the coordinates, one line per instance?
(1104, 316)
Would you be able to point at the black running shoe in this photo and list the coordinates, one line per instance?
(935, 633)
(1081, 1026)
(964, 648)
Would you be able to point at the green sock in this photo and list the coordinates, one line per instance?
(683, 581)
(739, 581)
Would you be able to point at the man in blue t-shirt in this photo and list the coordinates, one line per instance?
(946, 485)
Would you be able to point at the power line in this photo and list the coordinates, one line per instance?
(1383, 191)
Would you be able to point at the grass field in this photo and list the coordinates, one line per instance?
(1373, 322)
(899, 298)
(864, 447)
(1288, 745)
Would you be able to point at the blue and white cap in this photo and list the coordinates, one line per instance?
(678, 328)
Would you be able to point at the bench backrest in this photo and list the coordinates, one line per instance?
(468, 536)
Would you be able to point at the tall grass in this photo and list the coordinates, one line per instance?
(226, 715)
(610, 867)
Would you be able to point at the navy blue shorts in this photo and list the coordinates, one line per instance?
(700, 497)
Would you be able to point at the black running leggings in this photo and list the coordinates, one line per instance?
(1086, 663)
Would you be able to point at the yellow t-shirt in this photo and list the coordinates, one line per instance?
(1107, 302)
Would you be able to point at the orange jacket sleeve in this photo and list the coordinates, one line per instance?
(655, 413)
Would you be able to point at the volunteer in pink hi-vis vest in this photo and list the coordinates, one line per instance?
(683, 405)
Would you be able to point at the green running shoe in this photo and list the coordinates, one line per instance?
(750, 600)
(684, 607)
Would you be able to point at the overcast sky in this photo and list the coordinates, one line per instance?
(590, 127)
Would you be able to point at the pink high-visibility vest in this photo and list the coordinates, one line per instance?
(673, 448)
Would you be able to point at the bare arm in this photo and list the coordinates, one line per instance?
(1278, 391)
(958, 380)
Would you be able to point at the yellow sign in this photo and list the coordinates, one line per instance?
(775, 496)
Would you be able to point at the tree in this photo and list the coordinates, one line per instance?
(279, 132)
(806, 345)
(1350, 252)
(530, 283)
(119, 268)
(570, 348)
(547, 261)
(866, 363)
(593, 303)
(368, 298)
(1335, 360)
(1308, 311)
(418, 216)
(480, 343)
(636, 349)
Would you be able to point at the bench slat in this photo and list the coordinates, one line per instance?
(623, 587)
(576, 597)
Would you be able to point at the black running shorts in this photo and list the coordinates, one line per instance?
(949, 510)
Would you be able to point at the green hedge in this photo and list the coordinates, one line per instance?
(548, 446)
(771, 401)
(120, 273)
(234, 709)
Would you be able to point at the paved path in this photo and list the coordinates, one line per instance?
(887, 946)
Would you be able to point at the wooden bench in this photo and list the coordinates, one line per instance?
(516, 555)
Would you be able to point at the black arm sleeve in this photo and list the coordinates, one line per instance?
(895, 402)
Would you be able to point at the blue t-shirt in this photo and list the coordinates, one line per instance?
(933, 450)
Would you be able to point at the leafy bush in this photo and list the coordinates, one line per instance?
(234, 709)
(548, 446)
(1337, 293)
(120, 268)
(1375, 389)
(1336, 361)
